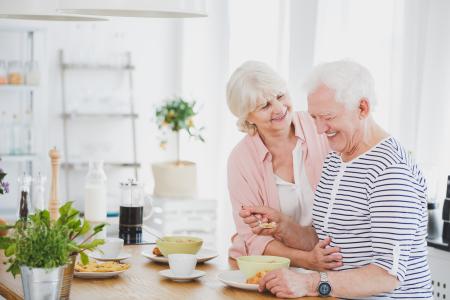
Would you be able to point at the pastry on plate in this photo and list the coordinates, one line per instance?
(256, 278)
(109, 266)
(157, 252)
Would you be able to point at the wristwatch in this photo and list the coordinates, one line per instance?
(324, 288)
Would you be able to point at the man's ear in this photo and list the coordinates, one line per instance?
(364, 108)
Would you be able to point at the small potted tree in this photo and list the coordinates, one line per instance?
(176, 178)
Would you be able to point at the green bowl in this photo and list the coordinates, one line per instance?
(250, 265)
(179, 244)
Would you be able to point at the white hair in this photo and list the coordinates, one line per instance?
(350, 81)
(250, 86)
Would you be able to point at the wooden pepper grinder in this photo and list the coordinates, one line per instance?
(53, 205)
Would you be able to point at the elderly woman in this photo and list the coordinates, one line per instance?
(277, 164)
(371, 200)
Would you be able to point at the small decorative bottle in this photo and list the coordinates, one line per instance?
(24, 184)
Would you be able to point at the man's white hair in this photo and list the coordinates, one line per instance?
(250, 86)
(350, 81)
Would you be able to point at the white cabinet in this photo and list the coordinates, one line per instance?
(439, 261)
(195, 217)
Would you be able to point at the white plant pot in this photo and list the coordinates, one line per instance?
(41, 284)
(175, 180)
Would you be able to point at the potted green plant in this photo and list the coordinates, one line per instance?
(38, 250)
(44, 252)
(176, 178)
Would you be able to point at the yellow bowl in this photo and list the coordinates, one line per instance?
(250, 265)
(179, 244)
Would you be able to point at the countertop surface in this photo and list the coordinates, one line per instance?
(142, 281)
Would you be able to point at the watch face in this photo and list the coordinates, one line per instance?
(324, 289)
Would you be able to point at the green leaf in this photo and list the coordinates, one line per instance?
(46, 216)
(64, 210)
(85, 228)
(99, 228)
(10, 250)
(84, 258)
(5, 242)
(92, 245)
(14, 269)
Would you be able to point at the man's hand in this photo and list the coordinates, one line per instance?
(322, 258)
(285, 283)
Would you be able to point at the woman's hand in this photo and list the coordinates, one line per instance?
(285, 283)
(322, 258)
(253, 216)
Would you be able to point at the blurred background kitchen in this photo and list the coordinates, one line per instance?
(91, 88)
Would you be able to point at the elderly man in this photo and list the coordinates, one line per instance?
(370, 201)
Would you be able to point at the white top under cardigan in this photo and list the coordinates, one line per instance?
(296, 199)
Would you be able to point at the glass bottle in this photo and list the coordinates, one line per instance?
(5, 128)
(24, 185)
(15, 72)
(38, 201)
(15, 136)
(32, 76)
(95, 204)
(26, 136)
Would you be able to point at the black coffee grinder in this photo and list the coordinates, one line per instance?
(446, 214)
(132, 212)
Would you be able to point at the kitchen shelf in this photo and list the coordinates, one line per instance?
(124, 67)
(18, 87)
(77, 66)
(17, 157)
(99, 115)
(84, 165)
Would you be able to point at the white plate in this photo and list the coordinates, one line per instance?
(236, 278)
(202, 256)
(99, 257)
(168, 274)
(97, 274)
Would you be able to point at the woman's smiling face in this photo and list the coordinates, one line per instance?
(273, 114)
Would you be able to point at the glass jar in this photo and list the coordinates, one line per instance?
(3, 73)
(15, 72)
(32, 76)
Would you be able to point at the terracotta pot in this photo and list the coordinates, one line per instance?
(67, 279)
(3, 232)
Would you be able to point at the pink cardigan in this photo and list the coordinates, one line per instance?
(251, 180)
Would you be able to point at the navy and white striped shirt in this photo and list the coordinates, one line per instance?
(374, 208)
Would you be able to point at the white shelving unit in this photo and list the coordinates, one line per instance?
(22, 100)
(70, 117)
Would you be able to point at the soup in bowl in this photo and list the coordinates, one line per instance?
(179, 244)
(250, 265)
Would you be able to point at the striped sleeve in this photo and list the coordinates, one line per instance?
(395, 216)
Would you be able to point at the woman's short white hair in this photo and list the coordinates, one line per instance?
(250, 86)
(350, 81)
